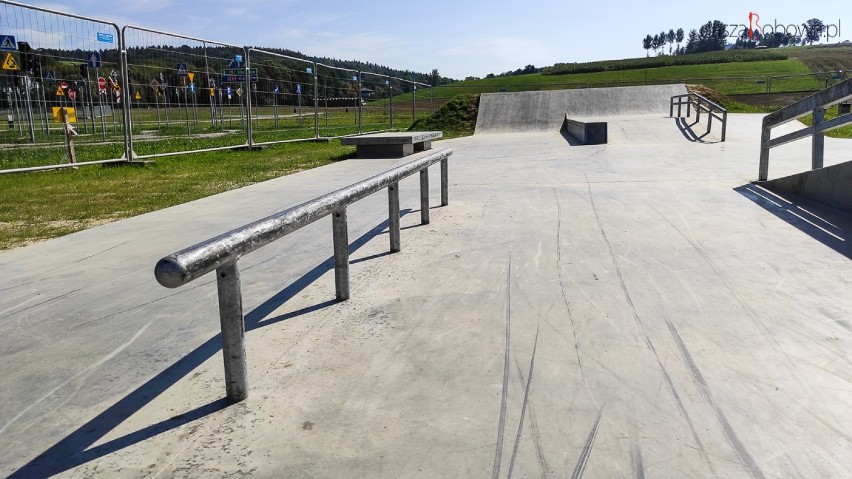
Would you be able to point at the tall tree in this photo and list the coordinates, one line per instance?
(670, 38)
(679, 37)
(434, 77)
(813, 30)
(647, 42)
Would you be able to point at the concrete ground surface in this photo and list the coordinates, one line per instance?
(632, 309)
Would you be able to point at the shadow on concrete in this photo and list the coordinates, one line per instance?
(827, 225)
(75, 449)
(687, 131)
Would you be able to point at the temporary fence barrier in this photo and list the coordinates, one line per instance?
(52, 60)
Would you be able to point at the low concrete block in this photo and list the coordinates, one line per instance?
(391, 145)
(587, 133)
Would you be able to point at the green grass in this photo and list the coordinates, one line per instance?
(455, 118)
(842, 132)
(44, 205)
(728, 78)
(666, 60)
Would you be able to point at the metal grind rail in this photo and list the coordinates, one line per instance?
(702, 104)
(815, 104)
(222, 252)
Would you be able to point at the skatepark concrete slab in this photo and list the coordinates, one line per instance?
(632, 309)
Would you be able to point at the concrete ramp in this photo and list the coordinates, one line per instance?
(829, 185)
(546, 110)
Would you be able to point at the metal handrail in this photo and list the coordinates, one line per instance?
(222, 252)
(816, 104)
(701, 103)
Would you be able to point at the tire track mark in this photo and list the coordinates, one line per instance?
(678, 402)
(523, 407)
(501, 425)
(727, 430)
(565, 294)
(636, 461)
(580, 468)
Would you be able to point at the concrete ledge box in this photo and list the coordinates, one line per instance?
(392, 145)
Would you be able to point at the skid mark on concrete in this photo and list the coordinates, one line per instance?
(636, 461)
(730, 435)
(501, 425)
(580, 468)
(80, 375)
(565, 294)
(666, 376)
(523, 407)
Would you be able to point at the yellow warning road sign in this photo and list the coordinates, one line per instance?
(9, 63)
(72, 115)
(191, 76)
(138, 95)
(59, 91)
(211, 92)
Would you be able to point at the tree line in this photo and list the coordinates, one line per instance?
(714, 35)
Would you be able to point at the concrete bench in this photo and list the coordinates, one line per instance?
(391, 145)
(586, 133)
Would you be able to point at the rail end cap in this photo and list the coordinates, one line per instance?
(170, 273)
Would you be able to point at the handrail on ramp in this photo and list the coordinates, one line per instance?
(222, 252)
(701, 103)
(816, 104)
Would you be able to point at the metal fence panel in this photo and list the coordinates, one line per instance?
(185, 88)
(53, 60)
(282, 97)
(338, 101)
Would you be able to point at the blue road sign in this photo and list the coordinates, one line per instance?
(192, 87)
(229, 93)
(298, 88)
(93, 59)
(309, 70)
(276, 89)
(49, 76)
(181, 69)
(105, 37)
(8, 43)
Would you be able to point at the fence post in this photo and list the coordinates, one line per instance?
(233, 332)
(818, 140)
(249, 132)
(390, 98)
(424, 196)
(724, 124)
(340, 234)
(316, 102)
(393, 218)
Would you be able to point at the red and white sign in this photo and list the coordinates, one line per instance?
(101, 83)
(72, 95)
(63, 85)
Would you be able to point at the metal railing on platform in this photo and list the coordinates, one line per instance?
(222, 252)
(701, 103)
(816, 104)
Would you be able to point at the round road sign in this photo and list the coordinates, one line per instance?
(64, 86)
(72, 95)
(101, 83)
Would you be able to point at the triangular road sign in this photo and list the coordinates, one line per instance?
(191, 76)
(9, 63)
(138, 95)
(59, 91)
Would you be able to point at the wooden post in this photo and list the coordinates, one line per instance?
(69, 135)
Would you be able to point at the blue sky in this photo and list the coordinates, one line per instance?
(458, 38)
